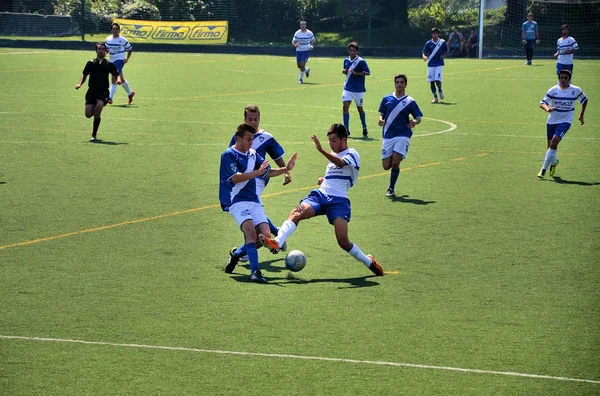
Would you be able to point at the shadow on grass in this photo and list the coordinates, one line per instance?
(445, 103)
(106, 142)
(405, 199)
(578, 183)
(295, 278)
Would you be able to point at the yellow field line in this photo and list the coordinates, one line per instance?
(165, 215)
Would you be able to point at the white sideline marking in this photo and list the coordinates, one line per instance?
(286, 356)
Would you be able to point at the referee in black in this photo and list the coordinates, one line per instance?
(96, 96)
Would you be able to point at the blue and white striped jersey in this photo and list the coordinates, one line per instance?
(117, 46)
(353, 82)
(562, 44)
(304, 39)
(434, 51)
(564, 101)
(339, 180)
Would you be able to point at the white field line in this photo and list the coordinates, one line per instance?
(287, 356)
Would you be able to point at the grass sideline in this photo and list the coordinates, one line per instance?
(123, 243)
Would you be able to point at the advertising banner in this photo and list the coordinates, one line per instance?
(166, 32)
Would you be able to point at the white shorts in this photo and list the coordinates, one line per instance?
(434, 73)
(242, 211)
(398, 144)
(348, 96)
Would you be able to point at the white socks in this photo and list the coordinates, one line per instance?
(359, 255)
(113, 89)
(287, 228)
(126, 87)
(550, 158)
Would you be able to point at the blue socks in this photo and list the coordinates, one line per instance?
(252, 256)
(394, 177)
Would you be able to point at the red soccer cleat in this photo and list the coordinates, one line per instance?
(131, 96)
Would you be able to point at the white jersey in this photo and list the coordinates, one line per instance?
(563, 44)
(117, 46)
(564, 101)
(304, 39)
(339, 180)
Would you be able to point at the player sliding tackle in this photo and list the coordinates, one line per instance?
(330, 199)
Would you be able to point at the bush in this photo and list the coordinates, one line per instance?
(140, 9)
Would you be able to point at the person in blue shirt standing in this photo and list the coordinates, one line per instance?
(530, 36)
(240, 166)
(355, 69)
(394, 116)
(434, 52)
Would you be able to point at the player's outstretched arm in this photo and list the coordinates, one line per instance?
(81, 81)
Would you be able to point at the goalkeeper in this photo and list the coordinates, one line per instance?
(530, 36)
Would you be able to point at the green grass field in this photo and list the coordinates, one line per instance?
(112, 255)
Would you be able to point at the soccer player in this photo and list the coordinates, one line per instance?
(566, 46)
(530, 36)
(434, 52)
(264, 144)
(241, 165)
(303, 41)
(355, 69)
(96, 96)
(394, 116)
(560, 103)
(330, 199)
(117, 45)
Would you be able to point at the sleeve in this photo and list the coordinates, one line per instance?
(113, 69)
(87, 68)
(425, 49)
(352, 159)
(274, 149)
(415, 111)
(382, 106)
(128, 46)
(444, 48)
(547, 98)
(365, 67)
(312, 39)
(228, 167)
(582, 98)
(294, 39)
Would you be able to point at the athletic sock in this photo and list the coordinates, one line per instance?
(359, 255)
(432, 86)
(394, 173)
(274, 230)
(113, 89)
(125, 86)
(363, 119)
(550, 158)
(240, 252)
(96, 125)
(287, 228)
(347, 121)
(252, 256)
(301, 75)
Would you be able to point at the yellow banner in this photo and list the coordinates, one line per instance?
(207, 32)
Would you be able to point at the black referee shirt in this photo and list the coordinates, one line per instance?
(98, 72)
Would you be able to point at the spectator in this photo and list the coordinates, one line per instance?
(472, 44)
(456, 42)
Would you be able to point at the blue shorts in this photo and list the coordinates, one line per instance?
(302, 56)
(119, 64)
(560, 66)
(557, 130)
(530, 44)
(333, 207)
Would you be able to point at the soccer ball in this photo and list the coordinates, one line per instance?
(295, 260)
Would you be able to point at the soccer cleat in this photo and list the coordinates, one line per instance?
(131, 96)
(542, 173)
(93, 139)
(257, 277)
(300, 81)
(528, 63)
(269, 243)
(435, 100)
(365, 132)
(375, 267)
(307, 72)
(109, 101)
(441, 95)
(284, 246)
(244, 258)
(553, 168)
(232, 262)
(390, 193)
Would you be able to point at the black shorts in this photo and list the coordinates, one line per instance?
(92, 96)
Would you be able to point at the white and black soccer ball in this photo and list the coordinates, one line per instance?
(295, 260)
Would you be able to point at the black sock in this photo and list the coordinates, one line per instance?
(96, 125)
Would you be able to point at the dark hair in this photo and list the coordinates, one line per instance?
(243, 128)
(251, 108)
(338, 130)
(102, 44)
(565, 26)
(401, 76)
(353, 44)
(567, 72)
(115, 24)
(435, 30)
